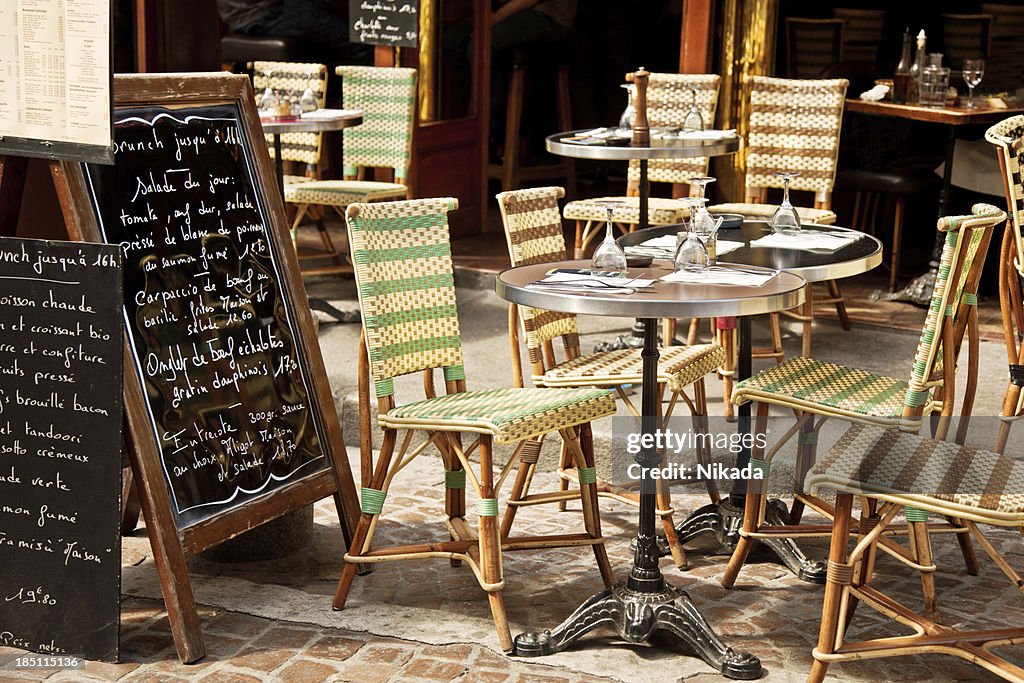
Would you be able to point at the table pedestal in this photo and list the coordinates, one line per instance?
(645, 603)
(724, 519)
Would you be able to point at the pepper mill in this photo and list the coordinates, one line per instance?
(641, 129)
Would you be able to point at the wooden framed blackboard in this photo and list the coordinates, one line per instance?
(384, 22)
(60, 447)
(229, 410)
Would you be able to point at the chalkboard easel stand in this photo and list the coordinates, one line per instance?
(173, 541)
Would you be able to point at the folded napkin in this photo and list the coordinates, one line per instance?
(329, 113)
(723, 275)
(581, 282)
(710, 134)
(876, 94)
(665, 247)
(808, 240)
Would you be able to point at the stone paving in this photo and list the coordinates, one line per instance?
(271, 620)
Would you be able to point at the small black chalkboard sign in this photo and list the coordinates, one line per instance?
(384, 22)
(60, 447)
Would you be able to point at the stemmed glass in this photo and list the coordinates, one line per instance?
(702, 184)
(308, 100)
(973, 70)
(785, 220)
(693, 120)
(268, 100)
(609, 258)
(628, 116)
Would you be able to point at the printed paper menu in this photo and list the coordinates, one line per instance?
(55, 71)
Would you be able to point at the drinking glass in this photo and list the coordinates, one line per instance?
(609, 258)
(692, 255)
(693, 120)
(308, 101)
(973, 70)
(628, 116)
(702, 183)
(785, 220)
(268, 100)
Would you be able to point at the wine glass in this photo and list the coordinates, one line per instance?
(692, 254)
(693, 120)
(628, 116)
(268, 100)
(308, 101)
(702, 183)
(785, 220)
(609, 258)
(973, 70)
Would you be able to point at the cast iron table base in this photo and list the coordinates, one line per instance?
(724, 519)
(644, 603)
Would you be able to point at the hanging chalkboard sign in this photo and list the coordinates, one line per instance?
(384, 22)
(60, 447)
(230, 415)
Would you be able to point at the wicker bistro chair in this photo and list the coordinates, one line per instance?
(386, 96)
(794, 126)
(668, 101)
(815, 388)
(1008, 137)
(533, 230)
(290, 79)
(892, 470)
(403, 271)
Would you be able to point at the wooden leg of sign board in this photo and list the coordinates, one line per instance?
(154, 500)
(130, 508)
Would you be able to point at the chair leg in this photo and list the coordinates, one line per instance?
(897, 237)
(583, 448)
(726, 332)
(808, 323)
(835, 591)
(840, 303)
(757, 494)
(966, 548)
(921, 547)
(528, 458)
(363, 532)
(701, 426)
(490, 548)
(663, 500)
(773, 321)
(577, 250)
(691, 335)
(564, 463)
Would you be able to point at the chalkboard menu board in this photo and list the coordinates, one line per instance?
(384, 22)
(60, 447)
(212, 336)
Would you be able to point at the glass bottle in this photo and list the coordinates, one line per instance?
(914, 84)
(934, 82)
(629, 113)
(308, 100)
(902, 75)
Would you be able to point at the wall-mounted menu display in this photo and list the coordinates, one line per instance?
(212, 337)
(60, 447)
(55, 76)
(384, 22)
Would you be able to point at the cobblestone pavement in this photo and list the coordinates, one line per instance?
(427, 621)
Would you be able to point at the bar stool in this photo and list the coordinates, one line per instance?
(511, 172)
(238, 50)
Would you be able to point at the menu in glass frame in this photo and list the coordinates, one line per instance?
(56, 78)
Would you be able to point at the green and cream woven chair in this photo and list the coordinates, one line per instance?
(892, 471)
(386, 96)
(1008, 137)
(668, 101)
(533, 230)
(815, 388)
(290, 79)
(793, 126)
(403, 269)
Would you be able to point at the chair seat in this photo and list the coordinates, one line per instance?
(829, 389)
(660, 211)
(296, 179)
(678, 367)
(895, 181)
(343, 192)
(240, 48)
(939, 476)
(509, 415)
(819, 216)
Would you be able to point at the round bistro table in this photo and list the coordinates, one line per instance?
(724, 519)
(277, 128)
(645, 603)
